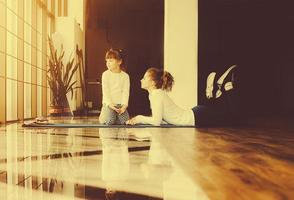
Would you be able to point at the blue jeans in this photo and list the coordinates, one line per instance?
(109, 116)
(223, 111)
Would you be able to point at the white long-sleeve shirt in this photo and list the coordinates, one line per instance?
(115, 88)
(164, 109)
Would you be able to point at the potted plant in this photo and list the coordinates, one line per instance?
(60, 79)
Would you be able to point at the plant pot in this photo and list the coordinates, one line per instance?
(59, 111)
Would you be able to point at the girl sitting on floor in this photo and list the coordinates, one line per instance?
(115, 90)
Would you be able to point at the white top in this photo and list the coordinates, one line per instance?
(165, 110)
(115, 88)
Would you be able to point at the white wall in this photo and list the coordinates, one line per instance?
(180, 49)
(65, 28)
(76, 11)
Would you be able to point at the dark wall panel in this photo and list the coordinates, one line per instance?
(134, 26)
(258, 36)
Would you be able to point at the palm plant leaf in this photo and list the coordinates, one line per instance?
(59, 76)
(71, 75)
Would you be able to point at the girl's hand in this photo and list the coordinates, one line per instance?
(122, 109)
(112, 106)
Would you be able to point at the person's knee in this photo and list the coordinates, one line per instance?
(107, 116)
(123, 118)
(110, 121)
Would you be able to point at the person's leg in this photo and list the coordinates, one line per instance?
(123, 118)
(225, 110)
(226, 101)
(231, 94)
(226, 81)
(108, 116)
(210, 85)
(210, 116)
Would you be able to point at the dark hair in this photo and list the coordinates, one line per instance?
(117, 54)
(163, 79)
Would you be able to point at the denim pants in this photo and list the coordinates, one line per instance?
(223, 111)
(109, 116)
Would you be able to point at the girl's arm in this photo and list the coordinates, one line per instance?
(126, 91)
(157, 113)
(105, 90)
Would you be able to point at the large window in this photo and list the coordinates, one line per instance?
(24, 29)
(11, 60)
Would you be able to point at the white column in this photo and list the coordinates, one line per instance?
(76, 10)
(180, 49)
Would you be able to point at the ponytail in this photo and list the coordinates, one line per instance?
(167, 81)
(163, 79)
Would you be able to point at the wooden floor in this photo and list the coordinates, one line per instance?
(252, 162)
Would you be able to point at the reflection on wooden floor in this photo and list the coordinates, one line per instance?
(253, 162)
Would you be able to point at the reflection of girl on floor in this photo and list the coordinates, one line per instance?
(159, 164)
(115, 158)
(163, 168)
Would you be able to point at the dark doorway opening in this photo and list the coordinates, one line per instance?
(135, 26)
(258, 36)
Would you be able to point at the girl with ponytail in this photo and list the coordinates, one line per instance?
(158, 82)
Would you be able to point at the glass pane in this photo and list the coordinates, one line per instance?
(39, 41)
(27, 53)
(27, 33)
(11, 47)
(48, 97)
(11, 67)
(34, 74)
(39, 76)
(48, 51)
(2, 64)
(12, 4)
(2, 15)
(27, 73)
(49, 5)
(34, 38)
(28, 11)
(27, 100)
(11, 22)
(11, 100)
(39, 19)
(39, 59)
(39, 101)
(48, 26)
(2, 39)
